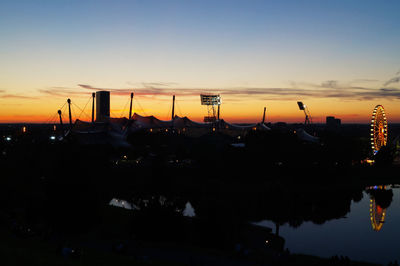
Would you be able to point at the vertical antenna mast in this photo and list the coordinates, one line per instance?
(308, 115)
(59, 114)
(263, 120)
(130, 107)
(173, 107)
(93, 96)
(69, 110)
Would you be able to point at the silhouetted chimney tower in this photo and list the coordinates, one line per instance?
(102, 106)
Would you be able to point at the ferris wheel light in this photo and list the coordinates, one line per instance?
(378, 129)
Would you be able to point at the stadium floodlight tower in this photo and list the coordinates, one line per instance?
(211, 101)
(307, 114)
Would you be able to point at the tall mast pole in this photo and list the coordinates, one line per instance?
(130, 108)
(70, 115)
(173, 107)
(218, 111)
(93, 96)
(59, 114)
(307, 120)
(263, 120)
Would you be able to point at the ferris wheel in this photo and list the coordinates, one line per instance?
(379, 129)
(377, 215)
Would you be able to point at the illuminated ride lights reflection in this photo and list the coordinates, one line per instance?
(377, 213)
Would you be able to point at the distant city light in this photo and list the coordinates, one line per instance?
(52, 137)
(8, 138)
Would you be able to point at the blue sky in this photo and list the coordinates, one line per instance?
(197, 44)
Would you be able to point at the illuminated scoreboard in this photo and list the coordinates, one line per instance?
(210, 99)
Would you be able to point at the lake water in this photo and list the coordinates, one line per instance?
(352, 235)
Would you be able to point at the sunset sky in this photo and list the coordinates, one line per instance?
(340, 57)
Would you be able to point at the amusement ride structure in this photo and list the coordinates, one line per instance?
(379, 129)
(380, 200)
(377, 214)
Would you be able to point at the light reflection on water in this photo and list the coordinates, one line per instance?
(188, 211)
(355, 235)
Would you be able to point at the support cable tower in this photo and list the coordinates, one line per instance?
(131, 106)
(303, 107)
(211, 101)
(263, 119)
(173, 108)
(69, 112)
(93, 98)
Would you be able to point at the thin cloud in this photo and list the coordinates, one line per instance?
(352, 93)
(392, 80)
(153, 84)
(115, 91)
(327, 89)
(364, 80)
(330, 84)
(11, 104)
(85, 86)
(62, 92)
(16, 96)
(156, 84)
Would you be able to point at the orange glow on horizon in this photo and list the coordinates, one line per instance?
(234, 109)
(346, 119)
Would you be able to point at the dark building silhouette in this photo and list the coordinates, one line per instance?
(333, 122)
(102, 106)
